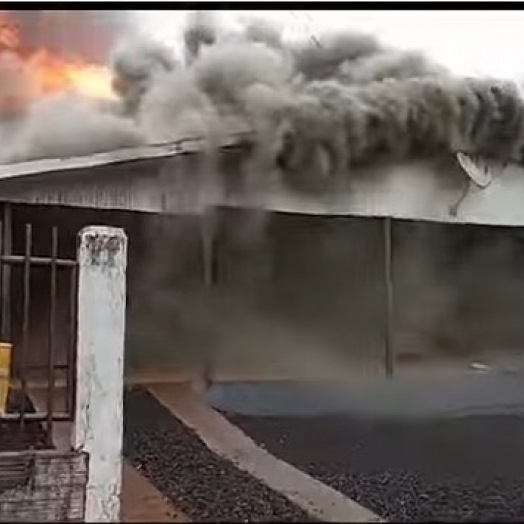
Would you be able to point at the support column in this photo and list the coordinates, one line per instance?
(208, 237)
(98, 428)
(389, 354)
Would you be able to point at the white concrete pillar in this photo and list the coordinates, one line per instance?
(98, 427)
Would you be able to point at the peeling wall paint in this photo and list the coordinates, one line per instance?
(100, 366)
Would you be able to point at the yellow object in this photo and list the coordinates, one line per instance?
(5, 371)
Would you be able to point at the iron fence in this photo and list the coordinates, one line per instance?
(15, 328)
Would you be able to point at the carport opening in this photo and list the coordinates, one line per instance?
(447, 303)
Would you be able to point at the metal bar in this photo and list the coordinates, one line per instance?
(38, 261)
(40, 367)
(1, 272)
(51, 337)
(25, 326)
(388, 274)
(209, 246)
(209, 239)
(71, 352)
(40, 417)
(6, 274)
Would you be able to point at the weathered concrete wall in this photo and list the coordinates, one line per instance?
(98, 421)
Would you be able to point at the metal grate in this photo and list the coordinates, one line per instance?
(23, 373)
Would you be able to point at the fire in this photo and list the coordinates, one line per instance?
(50, 73)
(54, 74)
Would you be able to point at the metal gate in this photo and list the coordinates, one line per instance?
(54, 373)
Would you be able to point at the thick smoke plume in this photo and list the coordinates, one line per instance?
(86, 34)
(318, 108)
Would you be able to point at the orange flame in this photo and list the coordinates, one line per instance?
(52, 73)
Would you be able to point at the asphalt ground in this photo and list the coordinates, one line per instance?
(459, 469)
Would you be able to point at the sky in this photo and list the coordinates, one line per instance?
(473, 42)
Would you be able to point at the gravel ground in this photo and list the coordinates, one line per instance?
(467, 469)
(12, 436)
(204, 486)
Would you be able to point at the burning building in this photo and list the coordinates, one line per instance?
(336, 209)
(258, 184)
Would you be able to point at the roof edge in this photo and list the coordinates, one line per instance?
(117, 156)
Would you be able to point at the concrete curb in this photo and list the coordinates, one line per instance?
(228, 441)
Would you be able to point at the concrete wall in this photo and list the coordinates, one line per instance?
(98, 421)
